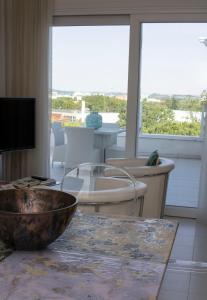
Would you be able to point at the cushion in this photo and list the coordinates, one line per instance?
(153, 159)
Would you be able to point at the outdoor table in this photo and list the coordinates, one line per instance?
(104, 138)
(97, 257)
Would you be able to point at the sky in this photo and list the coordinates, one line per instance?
(95, 58)
(91, 58)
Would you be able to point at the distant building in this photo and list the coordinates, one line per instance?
(185, 116)
(80, 95)
(57, 93)
(121, 97)
(73, 116)
(54, 95)
(153, 100)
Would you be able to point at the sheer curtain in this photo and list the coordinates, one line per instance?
(202, 205)
(24, 64)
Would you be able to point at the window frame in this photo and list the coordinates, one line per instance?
(134, 64)
(133, 112)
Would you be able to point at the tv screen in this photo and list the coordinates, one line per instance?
(17, 123)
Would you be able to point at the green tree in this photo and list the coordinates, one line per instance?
(101, 103)
(66, 103)
(187, 104)
(204, 96)
(190, 104)
(157, 118)
(122, 117)
(172, 103)
(73, 124)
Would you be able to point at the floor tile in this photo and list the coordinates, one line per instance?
(184, 223)
(172, 295)
(198, 283)
(176, 280)
(184, 240)
(196, 296)
(182, 252)
(201, 230)
(183, 184)
(200, 249)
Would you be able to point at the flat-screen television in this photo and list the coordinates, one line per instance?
(17, 123)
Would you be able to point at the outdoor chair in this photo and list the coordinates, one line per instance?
(58, 143)
(80, 147)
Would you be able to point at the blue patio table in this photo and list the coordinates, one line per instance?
(97, 257)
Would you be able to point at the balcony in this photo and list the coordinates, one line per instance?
(183, 184)
(185, 152)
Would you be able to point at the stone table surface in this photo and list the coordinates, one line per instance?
(98, 257)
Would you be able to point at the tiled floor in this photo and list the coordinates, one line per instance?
(186, 275)
(184, 183)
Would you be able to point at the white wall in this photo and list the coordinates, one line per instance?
(90, 7)
(171, 146)
(167, 145)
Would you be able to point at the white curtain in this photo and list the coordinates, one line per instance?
(24, 64)
(202, 205)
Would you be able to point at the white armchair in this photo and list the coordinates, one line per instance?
(80, 147)
(156, 178)
(97, 191)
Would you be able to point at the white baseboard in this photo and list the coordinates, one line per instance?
(181, 211)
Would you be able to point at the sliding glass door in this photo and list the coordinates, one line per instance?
(90, 77)
(172, 82)
(145, 75)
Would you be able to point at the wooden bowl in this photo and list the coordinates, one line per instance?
(31, 219)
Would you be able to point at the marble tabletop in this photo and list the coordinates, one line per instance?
(128, 237)
(98, 257)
